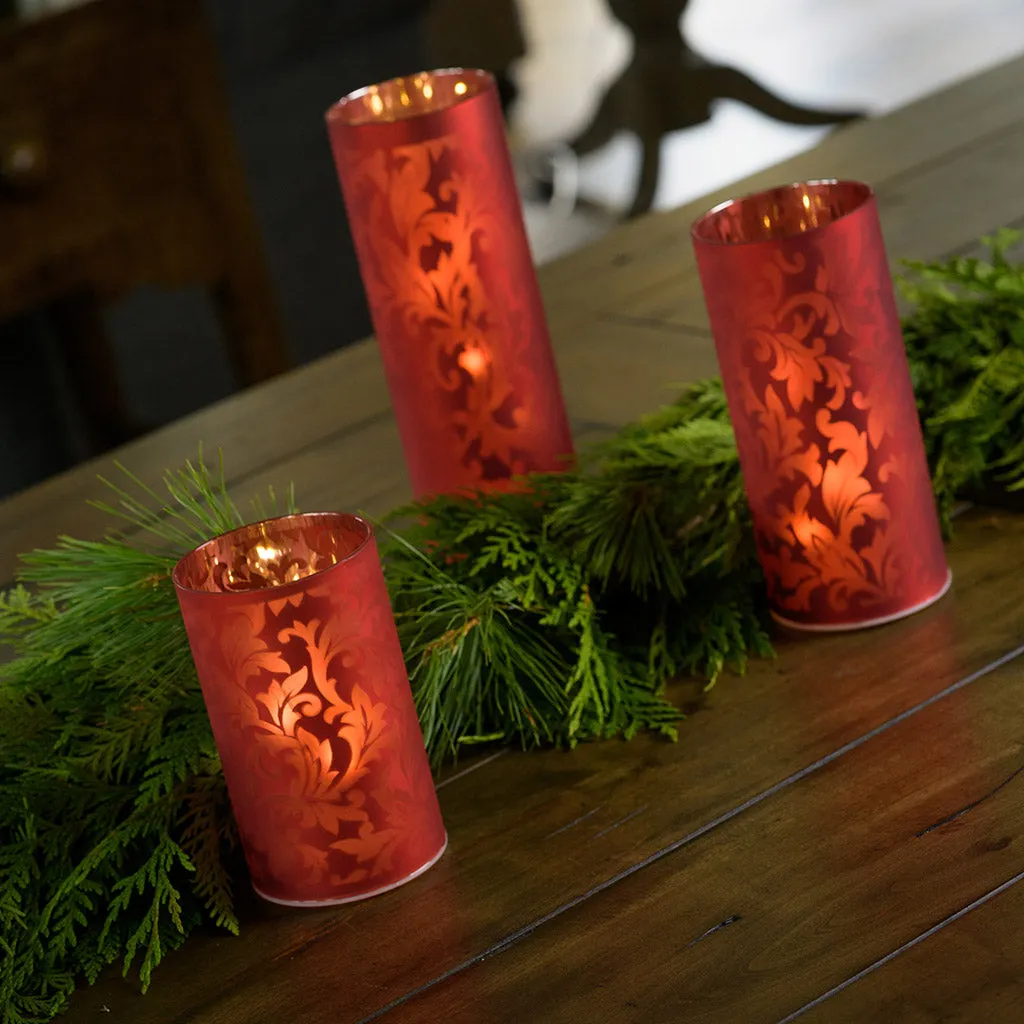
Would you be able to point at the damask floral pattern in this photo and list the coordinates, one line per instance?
(812, 358)
(445, 262)
(313, 716)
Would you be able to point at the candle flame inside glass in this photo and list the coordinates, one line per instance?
(262, 566)
(474, 361)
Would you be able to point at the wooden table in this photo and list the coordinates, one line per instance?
(838, 834)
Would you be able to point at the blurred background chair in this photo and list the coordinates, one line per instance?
(668, 87)
(137, 283)
(118, 169)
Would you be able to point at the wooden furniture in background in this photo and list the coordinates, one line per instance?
(837, 836)
(668, 86)
(118, 169)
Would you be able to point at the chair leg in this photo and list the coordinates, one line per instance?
(730, 83)
(601, 129)
(77, 321)
(252, 328)
(650, 171)
(244, 298)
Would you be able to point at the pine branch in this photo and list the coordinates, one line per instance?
(208, 835)
(965, 342)
(109, 780)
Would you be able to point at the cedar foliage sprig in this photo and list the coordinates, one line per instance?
(559, 613)
(115, 833)
(554, 614)
(965, 342)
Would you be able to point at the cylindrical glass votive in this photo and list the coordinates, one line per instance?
(804, 318)
(438, 229)
(302, 673)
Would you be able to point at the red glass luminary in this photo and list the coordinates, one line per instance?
(438, 229)
(801, 303)
(304, 681)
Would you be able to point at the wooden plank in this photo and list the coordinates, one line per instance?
(359, 473)
(926, 211)
(530, 833)
(324, 400)
(767, 912)
(971, 969)
(619, 374)
(650, 253)
(329, 429)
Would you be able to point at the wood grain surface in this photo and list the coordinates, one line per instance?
(328, 428)
(531, 833)
(965, 968)
(816, 816)
(779, 905)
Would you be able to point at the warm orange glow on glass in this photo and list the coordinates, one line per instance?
(305, 684)
(803, 530)
(438, 229)
(473, 361)
(808, 339)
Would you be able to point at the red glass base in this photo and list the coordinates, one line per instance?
(363, 895)
(849, 627)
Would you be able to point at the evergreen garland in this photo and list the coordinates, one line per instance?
(965, 343)
(559, 613)
(551, 615)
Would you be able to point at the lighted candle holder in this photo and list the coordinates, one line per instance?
(804, 318)
(302, 673)
(436, 219)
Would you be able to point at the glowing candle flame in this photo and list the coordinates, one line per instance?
(803, 530)
(473, 361)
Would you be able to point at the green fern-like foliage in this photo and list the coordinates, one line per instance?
(558, 613)
(115, 834)
(965, 342)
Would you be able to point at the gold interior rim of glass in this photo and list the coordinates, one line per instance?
(411, 96)
(784, 212)
(261, 546)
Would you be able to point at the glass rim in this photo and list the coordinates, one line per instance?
(337, 111)
(271, 593)
(867, 193)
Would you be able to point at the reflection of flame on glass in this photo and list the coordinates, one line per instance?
(473, 361)
(460, 88)
(803, 529)
(265, 565)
